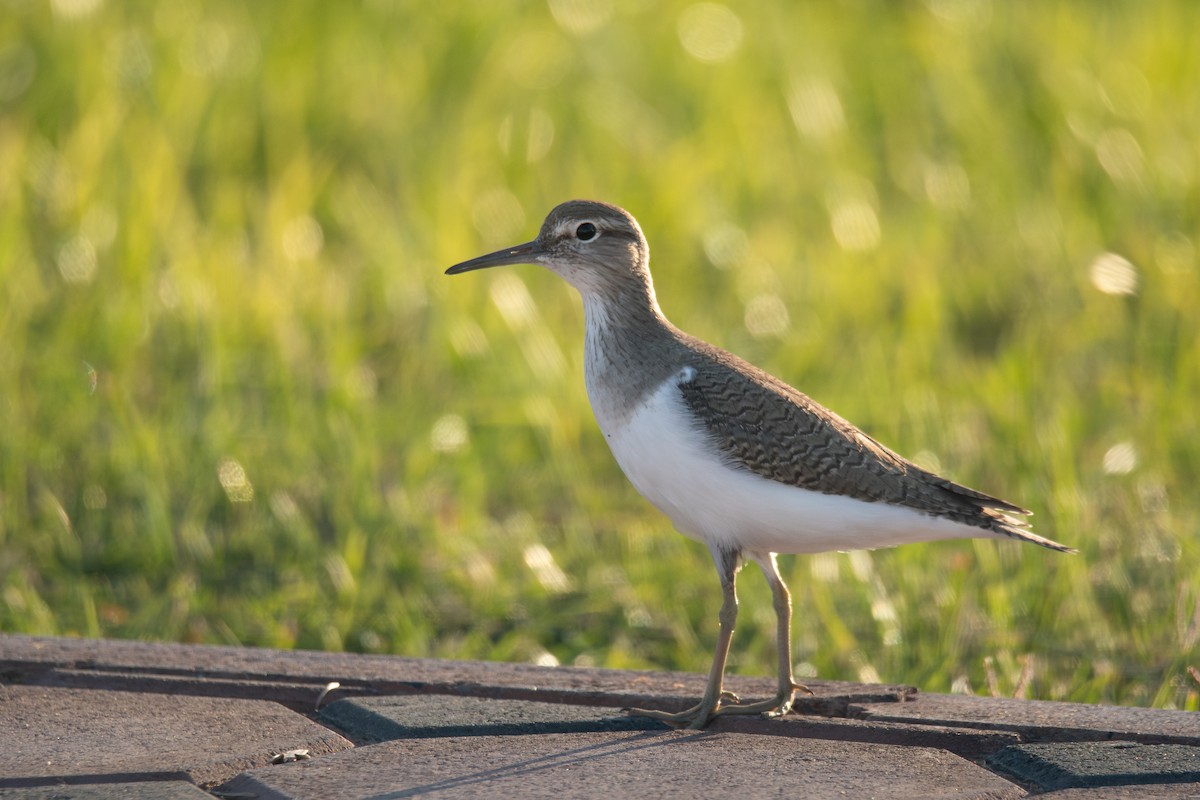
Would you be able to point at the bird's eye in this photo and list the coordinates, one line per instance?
(585, 232)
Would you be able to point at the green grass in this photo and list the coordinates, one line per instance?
(241, 404)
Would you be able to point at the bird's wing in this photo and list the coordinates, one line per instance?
(761, 424)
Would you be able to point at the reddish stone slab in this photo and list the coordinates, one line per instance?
(1068, 765)
(297, 677)
(379, 719)
(142, 790)
(671, 764)
(1041, 720)
(1161, 791)
(966, 742)
(51, 735)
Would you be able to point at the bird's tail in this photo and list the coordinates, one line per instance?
(1008, 525)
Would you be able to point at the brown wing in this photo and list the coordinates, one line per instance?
(765, 426)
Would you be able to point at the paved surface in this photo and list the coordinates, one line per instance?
(296, 678)
(670, 764)
(379, 719)
(1040, 720)
(1086, 764)
(82, 736)
(139, 790)
(1130, 792)
(92, 719)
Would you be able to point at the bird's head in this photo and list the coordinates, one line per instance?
(596, 247)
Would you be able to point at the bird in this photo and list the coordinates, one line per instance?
(735, 457)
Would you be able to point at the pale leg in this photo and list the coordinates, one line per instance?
(728, 564)
(782, 702)
(710, 706)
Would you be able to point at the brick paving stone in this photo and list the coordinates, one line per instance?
(1041, 720)
(1142, 791)
(378, 719)
(141, 790)
(1067, 765)
(966, 742)
(52, 735)
(670, 764)
(296, 677)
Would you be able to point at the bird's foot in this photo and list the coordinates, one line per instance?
(693, 718)
(699, 715)
(772, 708)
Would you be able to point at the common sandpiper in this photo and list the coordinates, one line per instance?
(735, 457)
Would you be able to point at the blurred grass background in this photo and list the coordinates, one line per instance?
(240, 403)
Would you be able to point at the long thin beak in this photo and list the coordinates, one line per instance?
(521, 254)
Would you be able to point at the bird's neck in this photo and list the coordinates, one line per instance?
(628, 350)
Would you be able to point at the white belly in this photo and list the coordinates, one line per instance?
(668, 461)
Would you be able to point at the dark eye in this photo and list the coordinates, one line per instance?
(585, 232)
